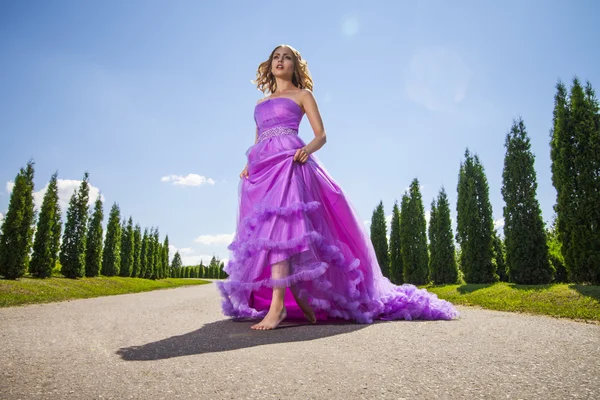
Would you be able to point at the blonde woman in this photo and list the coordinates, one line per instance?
(300, 249)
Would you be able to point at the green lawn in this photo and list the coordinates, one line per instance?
(30, 291)
(580, 302)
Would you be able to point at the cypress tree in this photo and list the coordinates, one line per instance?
(165, 256)
(111, 257)
(413, 237)
(155, 255)
(93, 251)
(149, 271)
(137, 249)
(127, 249)
(433, 234)
(72, 251)
(589, 180)
(499, 257)
(379, 239)
(144, 255)
(47, 235)
(396, 268)
(474, 223)
(563, 174)
(555, 254)
(17, 229)
(443, 268)
(525, 237)
(585, 127)
(575, 175)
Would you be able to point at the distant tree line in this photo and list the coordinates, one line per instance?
(83, 249)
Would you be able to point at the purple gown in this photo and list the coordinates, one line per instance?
(289, 210)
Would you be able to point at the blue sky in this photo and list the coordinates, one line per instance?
(154, 98)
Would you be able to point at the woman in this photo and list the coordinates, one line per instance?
(300, 249)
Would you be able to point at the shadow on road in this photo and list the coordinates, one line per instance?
(228, 335)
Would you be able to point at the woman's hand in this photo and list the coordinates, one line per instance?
(301, 155)
(244, 173)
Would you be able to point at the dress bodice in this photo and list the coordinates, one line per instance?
(276, 115)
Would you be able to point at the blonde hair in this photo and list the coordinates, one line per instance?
(265, 80)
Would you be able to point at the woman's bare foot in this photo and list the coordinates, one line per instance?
(309, 314)
(271, 320)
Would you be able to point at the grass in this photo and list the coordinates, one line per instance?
(579, 302)
(32, 291)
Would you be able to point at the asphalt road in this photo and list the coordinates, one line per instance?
(175, 344)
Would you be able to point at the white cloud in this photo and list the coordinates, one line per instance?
(499, 224)
(182, 251)
(388, 220)
(1, 217)
(350, 25)
(209, 240)
(189, 180)
(66, 188)
(437, 78)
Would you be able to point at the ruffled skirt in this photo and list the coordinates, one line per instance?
(297, 212)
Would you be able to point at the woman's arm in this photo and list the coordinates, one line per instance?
(314, 117)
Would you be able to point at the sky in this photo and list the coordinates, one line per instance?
(154, 99)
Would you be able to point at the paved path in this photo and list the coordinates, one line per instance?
(175, 344)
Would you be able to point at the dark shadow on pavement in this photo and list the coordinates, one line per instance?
(229, 335)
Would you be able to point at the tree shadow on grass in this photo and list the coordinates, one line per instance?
(471, 287)
(587, 290)
(530, 287)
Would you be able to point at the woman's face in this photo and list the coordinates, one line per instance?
(282, 65)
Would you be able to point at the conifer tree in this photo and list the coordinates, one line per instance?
(72, 251)
(47, 235)
(149, 271)
(127, 249)
(144, 254)
(94, 245)
(499, 257)
(165, 256)
(18, 225)
(155, 255)
(396, 268)
(555, 255)
(575, 175)
(111, 258)
(379, 239)
(524, 233)
(137, 250)
(413, 236)
(475, 223)
(443, 268)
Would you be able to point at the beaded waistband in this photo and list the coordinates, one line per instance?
(277, 131)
